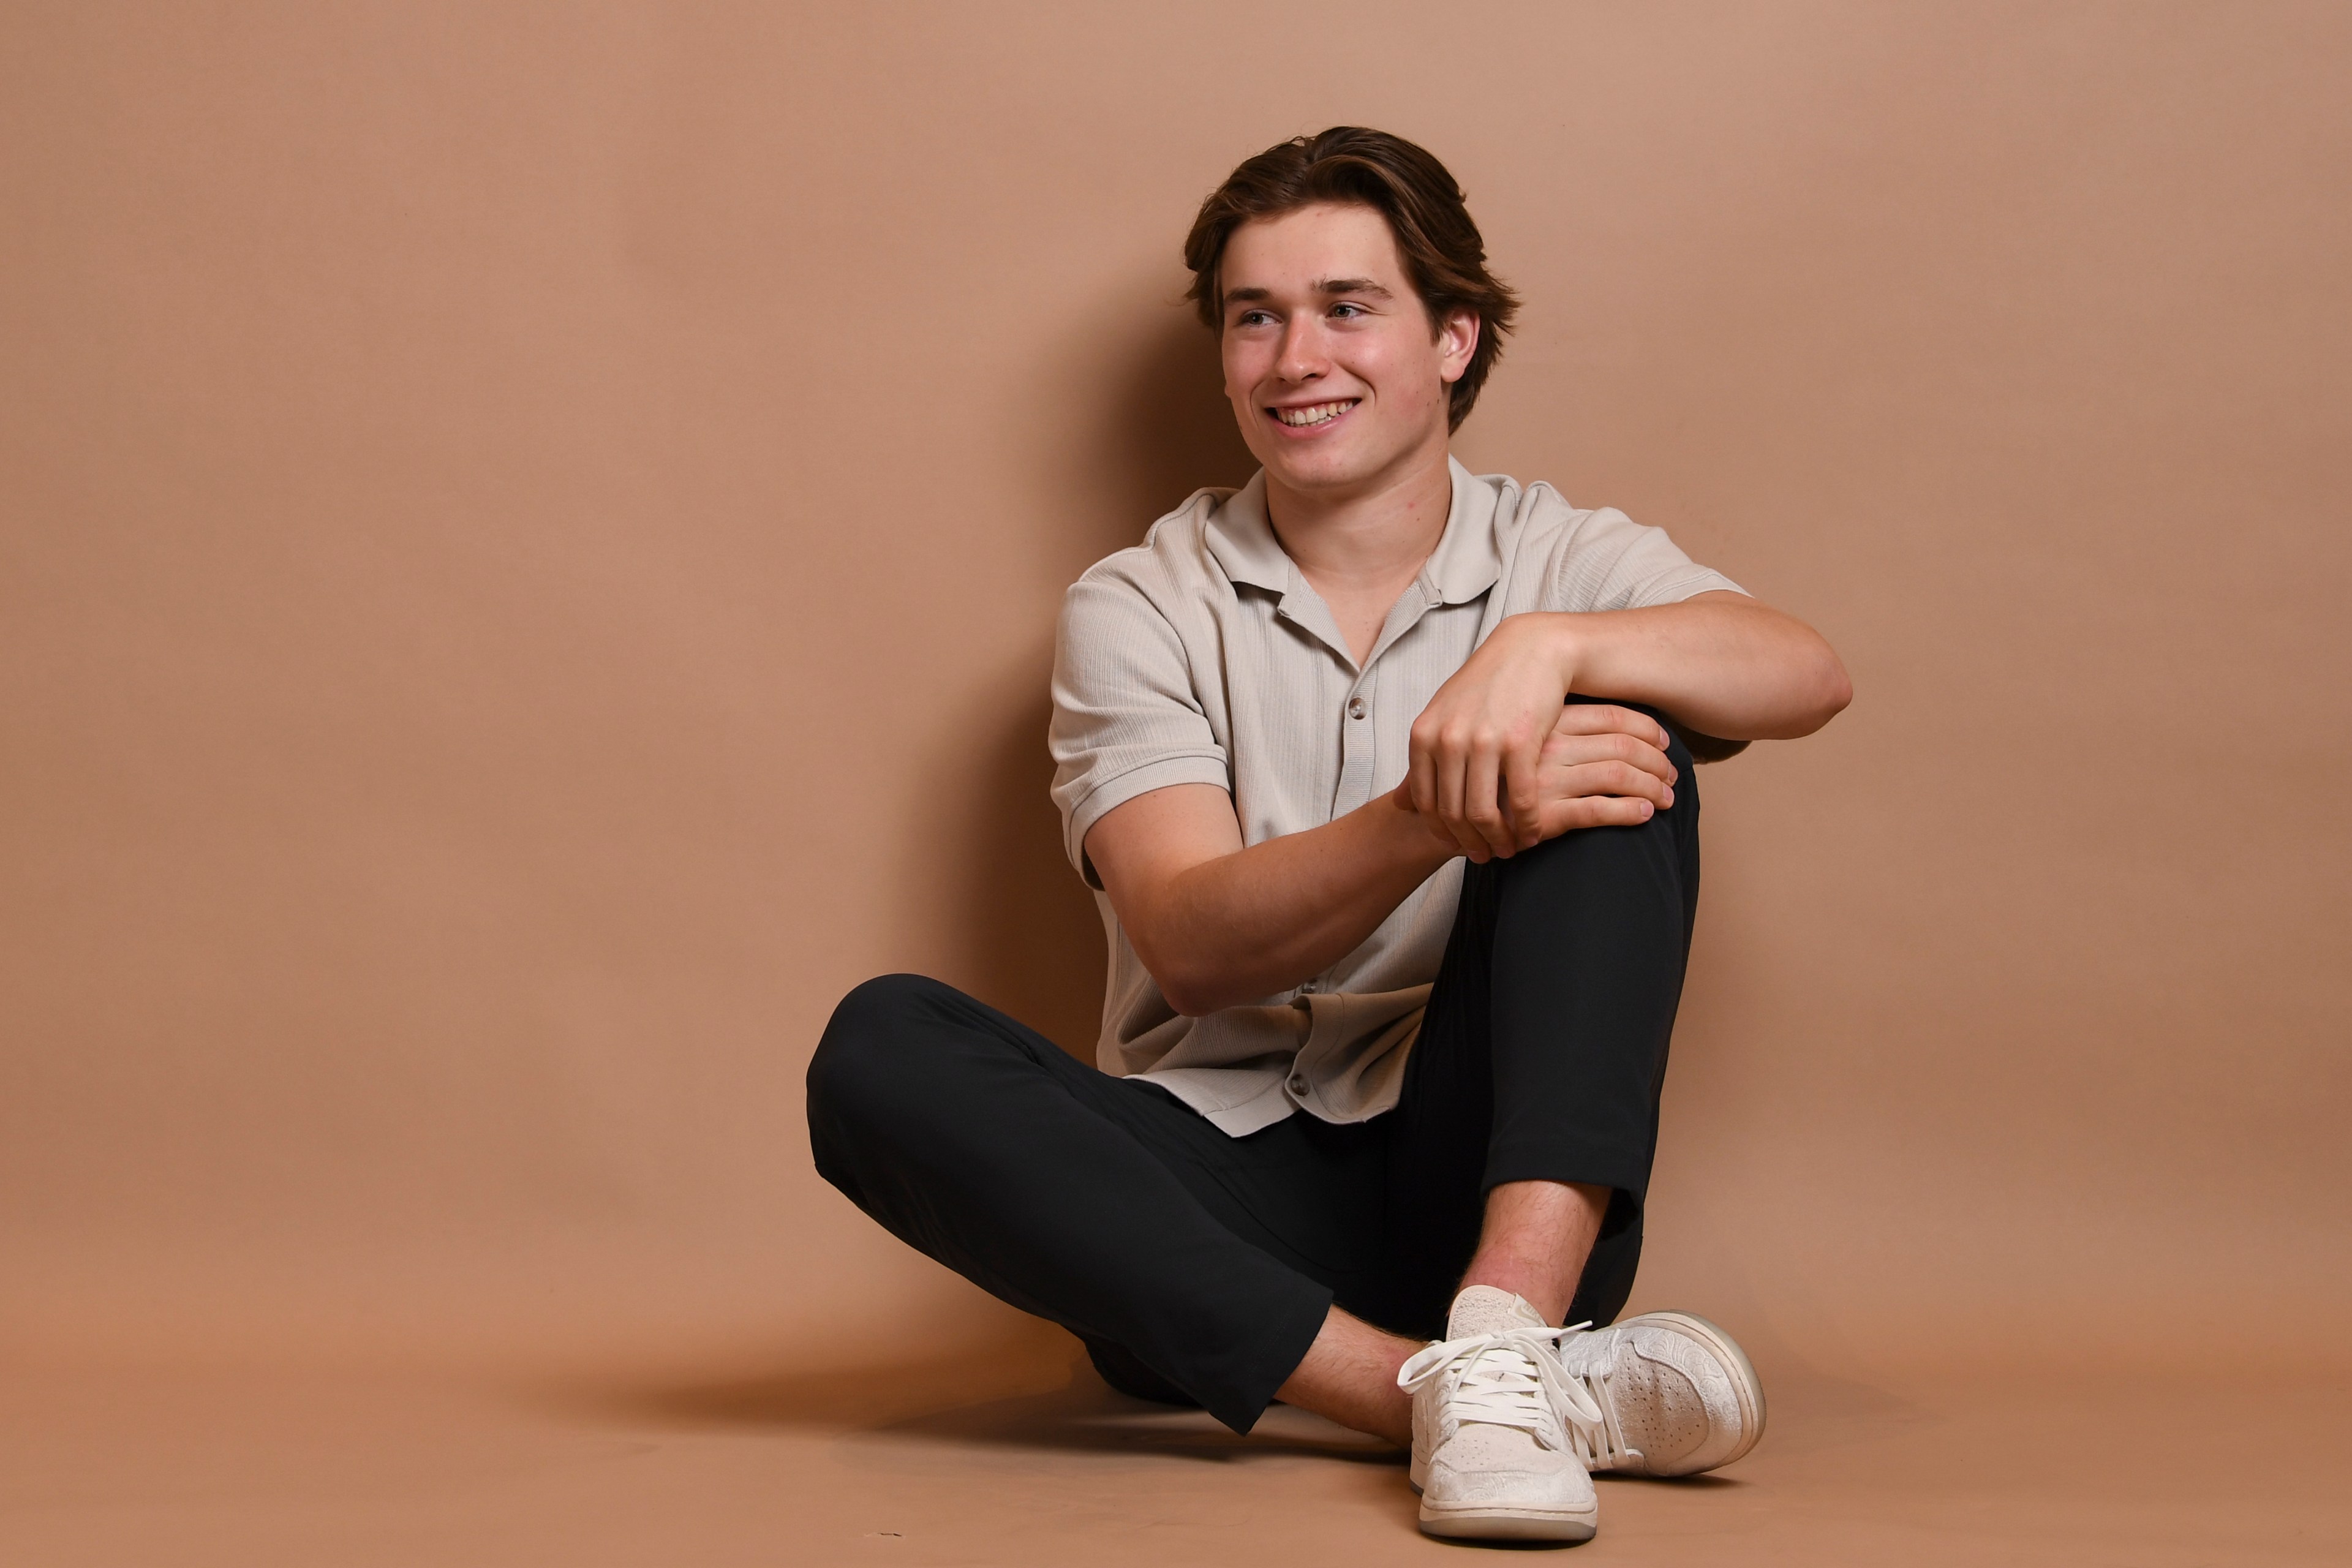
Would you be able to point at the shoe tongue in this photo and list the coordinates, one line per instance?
(1489, 1310)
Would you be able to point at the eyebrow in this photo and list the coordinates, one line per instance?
(1321, 286)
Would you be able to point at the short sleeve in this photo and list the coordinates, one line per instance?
(1606, 560)
(1126, 719)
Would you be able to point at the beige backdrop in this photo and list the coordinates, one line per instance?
(532, 535)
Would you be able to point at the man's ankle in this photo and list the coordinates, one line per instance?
(1349, 1375)
(1536, 1240)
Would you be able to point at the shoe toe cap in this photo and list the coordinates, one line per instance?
(1563, 1486)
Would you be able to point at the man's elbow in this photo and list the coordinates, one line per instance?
(1191, 996)
(1189, 1004)
(1836, 686)
(1821, 692)
(1832, 689)
(1807, 681)
(1187, 987)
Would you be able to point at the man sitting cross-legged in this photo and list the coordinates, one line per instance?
(1384, 773)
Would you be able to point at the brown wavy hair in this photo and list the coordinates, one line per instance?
(1443, 253)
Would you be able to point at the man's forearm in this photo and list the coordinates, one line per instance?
(1262, 919)
(1721, 664)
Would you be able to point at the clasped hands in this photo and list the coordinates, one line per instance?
(1500, 763)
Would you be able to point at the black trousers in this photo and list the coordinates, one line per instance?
(1197, 1267)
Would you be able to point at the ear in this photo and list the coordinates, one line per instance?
(1458, 340)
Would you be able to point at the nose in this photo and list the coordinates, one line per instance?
(1301, 357)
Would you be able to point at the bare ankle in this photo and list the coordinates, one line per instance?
(1349, 1375)
(1536, 1238)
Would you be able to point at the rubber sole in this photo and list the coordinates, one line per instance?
(1744, 1384)
(1486, 1522)
(1491, 1523)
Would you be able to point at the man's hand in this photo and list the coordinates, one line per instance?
(1477, 747)
(1719, 663)
(1600, 766)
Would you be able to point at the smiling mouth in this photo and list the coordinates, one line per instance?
(1313, 414)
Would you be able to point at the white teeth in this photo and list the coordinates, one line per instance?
(1315, 413)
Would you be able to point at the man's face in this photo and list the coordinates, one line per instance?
(1334, 370)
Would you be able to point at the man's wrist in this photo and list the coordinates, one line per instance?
(1564, 640)
(1427, 843)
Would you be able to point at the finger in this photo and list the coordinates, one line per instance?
(1482, 795)
(1596, 811)
(1614, 777)
(1598, 718)
(1430, 769)
(1523, 777)
(1574, 750)
(1420, 781)
(1421, 778)
(1449, 762)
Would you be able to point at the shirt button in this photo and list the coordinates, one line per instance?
(1355, 707)
(1298, 1083)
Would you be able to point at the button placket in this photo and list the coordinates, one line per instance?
(1356, 744)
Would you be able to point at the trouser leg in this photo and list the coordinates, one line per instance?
(1543, 1050)
(1083, 1198)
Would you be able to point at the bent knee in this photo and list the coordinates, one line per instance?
(863, 1052)
(886, 1004)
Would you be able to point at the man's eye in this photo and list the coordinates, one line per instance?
(1253, 319)
(1347, 312)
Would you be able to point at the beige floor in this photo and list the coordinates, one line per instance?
(1024, 1459)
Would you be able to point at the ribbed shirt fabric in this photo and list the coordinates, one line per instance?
(1201, 656)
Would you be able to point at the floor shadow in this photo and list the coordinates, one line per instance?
(1017, 1355)
(1036, 1392)
(1087, 1417)
(1706, 1483)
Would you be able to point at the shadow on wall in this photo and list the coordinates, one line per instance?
(1169, 432)
(1023, 929)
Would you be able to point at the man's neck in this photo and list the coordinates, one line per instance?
(1370, 538)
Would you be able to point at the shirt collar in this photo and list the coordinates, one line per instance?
(1240, 537)
(1465, 564)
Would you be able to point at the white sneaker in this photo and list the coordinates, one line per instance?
(1675, 1395)
(1492, 1456)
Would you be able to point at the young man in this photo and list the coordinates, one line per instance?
(1383, 774)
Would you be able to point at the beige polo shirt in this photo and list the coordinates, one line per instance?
(1201, 656)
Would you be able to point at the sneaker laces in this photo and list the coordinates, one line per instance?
(1513, 1378)
(1588, 1361)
